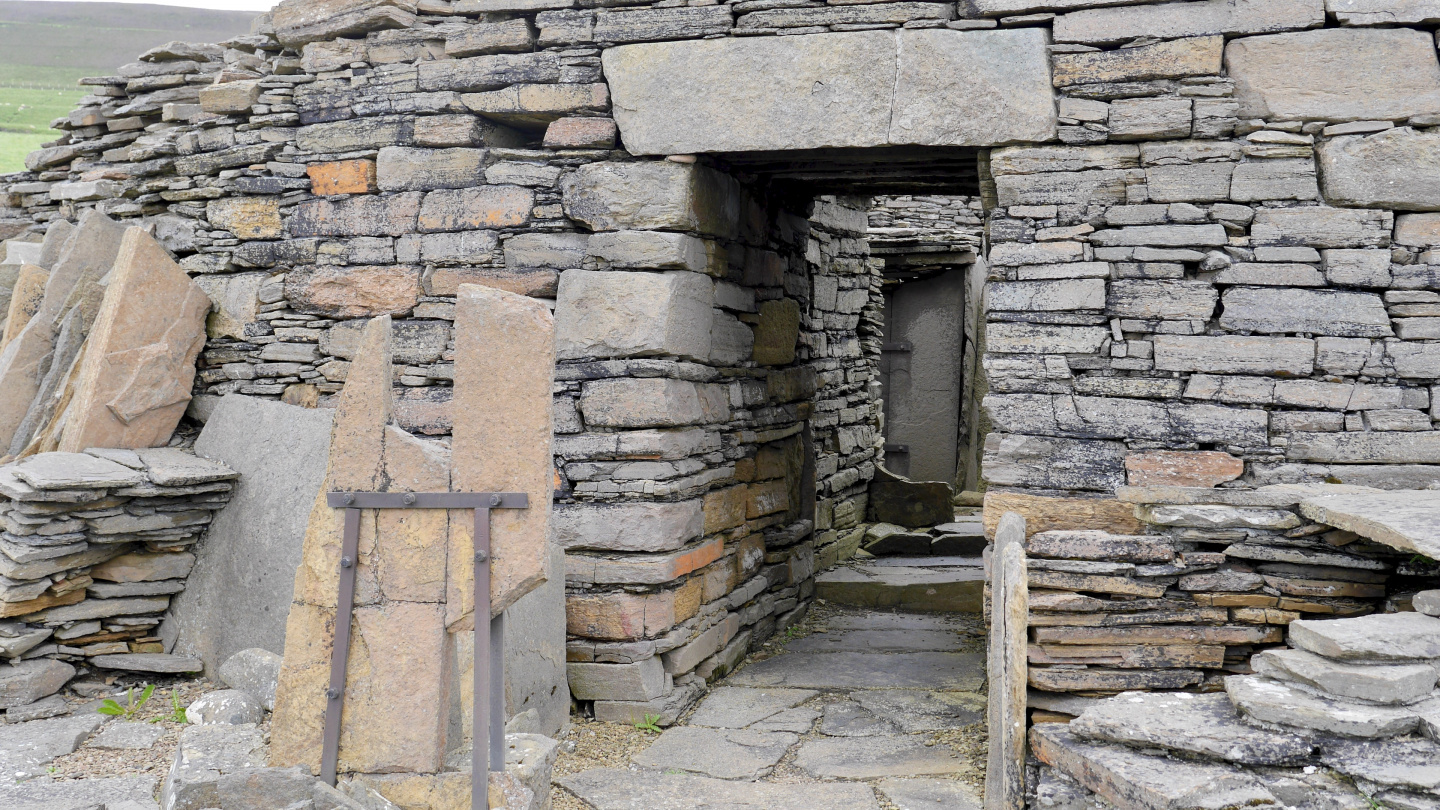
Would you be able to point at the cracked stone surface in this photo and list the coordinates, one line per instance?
(721, 753)
(27, 748)
(1207, 725)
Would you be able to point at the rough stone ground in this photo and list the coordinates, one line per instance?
(852, 708)
(47, 769)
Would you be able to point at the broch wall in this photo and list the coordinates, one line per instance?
(1209, 230)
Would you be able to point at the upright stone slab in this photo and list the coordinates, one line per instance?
(1336, 74)
(25, 298)
(87, 255)
(139, 363)
(398, 677)
(239, 593)
(504, 370)
(1009, 609)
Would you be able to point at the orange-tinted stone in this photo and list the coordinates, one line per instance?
(342, 177)
(1179, 468)
(1043, 513)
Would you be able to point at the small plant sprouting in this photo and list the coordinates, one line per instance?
(177, 712)
(111, 707)
(650, 724)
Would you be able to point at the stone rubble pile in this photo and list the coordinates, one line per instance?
(1346, 717)
(1219, 574)
(92, 548)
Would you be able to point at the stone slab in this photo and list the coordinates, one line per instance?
(1377, 683)
(128, 736)
(26, 749)
(617, 789)
(910, 87)
(1407, 520)
(928, 794)
(1409, 763)
(239, 593)
(139, 362)
(957, 589)
(916, 710)
(1207, 725)
(880, 641)
(1382, 637)
(928, 670)
(719, 753)
(847, 719)
(1390, 169)
(121, 793)
(1285, 704)
(73, 470)
(736, 707)
(872, 757)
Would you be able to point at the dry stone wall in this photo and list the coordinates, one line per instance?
(1210, 228)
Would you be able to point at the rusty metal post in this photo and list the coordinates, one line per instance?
(340, 653)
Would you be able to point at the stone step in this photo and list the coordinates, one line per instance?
(1412, 764)
(943, 671)
(1207, 725)
(922, 587)
(1288, 704)
(1375, 683)
(1377, 637)
(619, 789)
(1135, 781)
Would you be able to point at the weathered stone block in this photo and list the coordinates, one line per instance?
(510, 36)
(1320, 312)
(1067, 294)
(1175, 59)
(411, 341)
(488, 72)
(390, 215)
(1235, 355)
(337, 291)
(641, 403)
(1175, 468)
(889, 88)
(1026, 338)
(1417, 230)
(1141, 298)
(536, 105)
(1358, 268)
(644, 25)
(475, 208)
(657, 250)
(460, 247)
(140, 356)
(1391, 169)
(580, 132)
(777, 332)
(246, 217)
(641, 680)
(1384, 12)
(653, 195)
(1048, 463)
(1062, 188)
(300, 21)
(1336, 74)
(1366, 447)
(354, 134)
(636, 526)
(1201, 182)
(1321, 227)
(627, 314)
(1139, 119)
(400, 168)
(1206, 18)
(1033, 159)
(342, 177)
(1292, 179)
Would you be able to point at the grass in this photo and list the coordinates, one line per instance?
(14, 146)
(25, 116)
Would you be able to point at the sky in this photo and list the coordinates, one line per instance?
(229, 5)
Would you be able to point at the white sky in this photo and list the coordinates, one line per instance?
(232, 5)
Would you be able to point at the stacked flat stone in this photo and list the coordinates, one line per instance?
(1344, 717)
(932, 221)
(94, 545)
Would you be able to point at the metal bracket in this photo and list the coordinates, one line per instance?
(488, 736)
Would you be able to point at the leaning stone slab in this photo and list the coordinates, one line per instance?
(1336, 74)
(1131, 779)
(1392, 169)
(1407, 763)
(721, 753)
(1284, 704)
(1207, 725)
(618, 789)
(240, 591)
(1385, 637)
(139, 362)
(1408, 520)
(1377, 683)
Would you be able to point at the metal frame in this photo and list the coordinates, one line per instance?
(488, 735)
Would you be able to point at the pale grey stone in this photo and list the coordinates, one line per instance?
(845, 670)
(1321, 312)
(205, 754)
(559, 251)
(24, 682)
(1427, 602)
(795, 721)
(412, 340)
(403, 168)
(1200, 182)
(130, 736)
(625, 314)
(1358, 268)
(917, 710)
(1321, 227)
(847, 719)
(1027, 338)
(638, 526)
(239, 594)
(886, 87)
(1161, 299)
(643, 679)
(1207, 18)
(1163, 236)
(736, 707)
(148, 662)
(1277, 702)
(1204, 516)
(74, 471)
(927, 794)
(1377, 637)
(53, 706)
(255, 671)
(1392, 169)
(1033, 159)
(1234, 354)
(1335, 74)
(1138, 119)
(114, 793)
(1366, 447)
(1378, 683)
(26, 749)
(651, 249)
(652, 195)
(228, 706)
(720, 753)
(1257, 180)
(619, 789)
(1048, 296)
(1206, 725)
(871, 757)
(1271, 275)
(1051, 463)
(1410, 763)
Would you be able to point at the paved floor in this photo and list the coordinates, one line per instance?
(857, 709)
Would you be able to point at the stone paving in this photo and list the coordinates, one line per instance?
(857, 709)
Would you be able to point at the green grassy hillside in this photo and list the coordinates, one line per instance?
(45, 47)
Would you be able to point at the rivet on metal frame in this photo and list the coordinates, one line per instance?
(408, 498)
(481, 556)
(349, 497)
(495, 500)
(346, 562)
